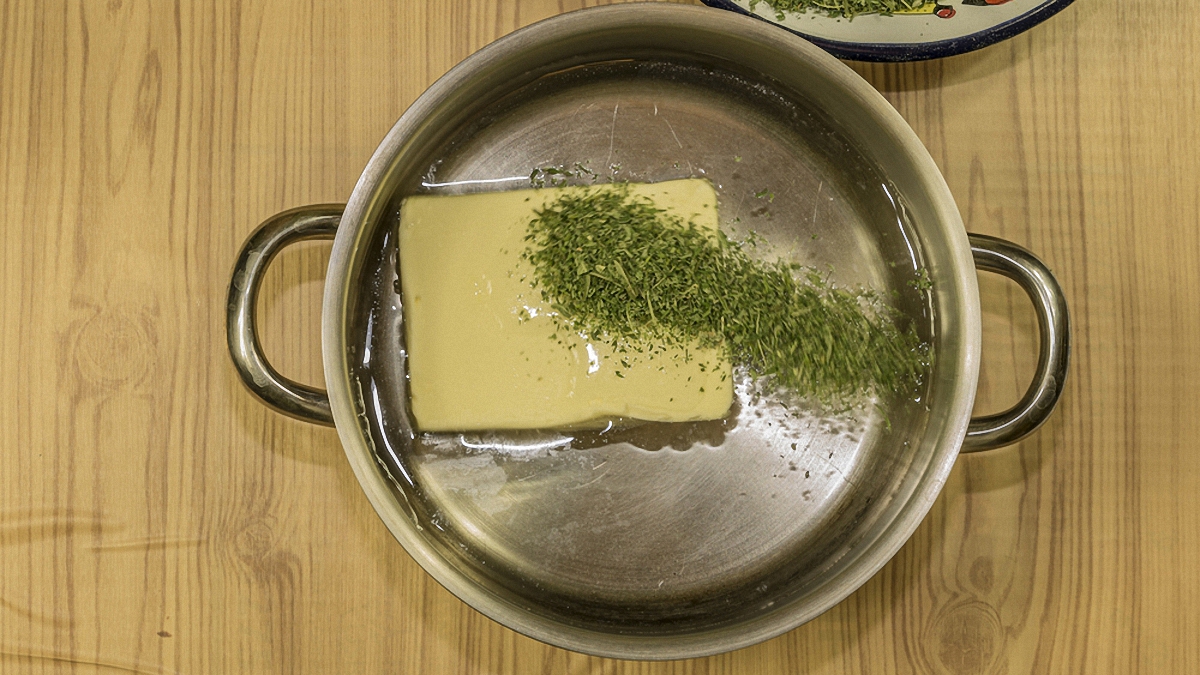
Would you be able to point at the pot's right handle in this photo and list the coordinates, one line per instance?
(1006, 258)
(286, 396)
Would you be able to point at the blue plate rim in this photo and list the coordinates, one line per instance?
(917, 51)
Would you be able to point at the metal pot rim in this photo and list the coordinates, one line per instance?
(369, 194)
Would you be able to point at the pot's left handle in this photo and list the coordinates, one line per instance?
(286, 396)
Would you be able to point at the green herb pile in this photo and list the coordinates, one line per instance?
(839, 8)
(619, 269)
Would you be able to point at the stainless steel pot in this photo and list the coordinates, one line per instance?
(745, 529)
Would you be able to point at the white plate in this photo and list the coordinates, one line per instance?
(939, 28)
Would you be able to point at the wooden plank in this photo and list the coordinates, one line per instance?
(154, 517)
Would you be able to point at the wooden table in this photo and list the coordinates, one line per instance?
(154, 517)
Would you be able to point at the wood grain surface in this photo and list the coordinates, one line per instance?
(156, 518)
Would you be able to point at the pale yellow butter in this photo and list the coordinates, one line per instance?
(480, 349)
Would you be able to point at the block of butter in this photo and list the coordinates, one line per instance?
(486, 352)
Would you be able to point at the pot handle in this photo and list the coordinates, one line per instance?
(287, 396)
(1006, 258)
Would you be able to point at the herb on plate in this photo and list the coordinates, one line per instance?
(846, 9)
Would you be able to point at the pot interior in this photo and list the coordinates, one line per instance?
(667, 539)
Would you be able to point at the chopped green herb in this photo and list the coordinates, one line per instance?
(847, 9)
(617, 268)
(922, 282)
